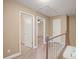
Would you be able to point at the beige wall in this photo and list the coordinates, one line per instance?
(72, 30)
(47, 27)
(11, 25)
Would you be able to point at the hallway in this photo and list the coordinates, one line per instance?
(29, 53)
(40, 52)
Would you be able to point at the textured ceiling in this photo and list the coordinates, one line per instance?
(53, 7)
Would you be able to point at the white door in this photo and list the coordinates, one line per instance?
(28, 30)
(57, 29)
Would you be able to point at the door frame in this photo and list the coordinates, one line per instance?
(20, 35)
(44, 34)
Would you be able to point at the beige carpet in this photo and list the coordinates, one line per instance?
(40, 52)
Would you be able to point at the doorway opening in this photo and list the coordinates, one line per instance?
(26, 32)
(40, 31)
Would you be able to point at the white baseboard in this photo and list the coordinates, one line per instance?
(12, 56)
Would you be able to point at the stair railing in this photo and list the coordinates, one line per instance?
(51, 38)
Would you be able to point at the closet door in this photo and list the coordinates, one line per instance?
(57, 29)
(27, 30)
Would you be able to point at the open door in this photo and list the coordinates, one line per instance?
(27, 30)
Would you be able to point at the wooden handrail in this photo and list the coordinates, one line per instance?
(51, 38)
(56, 36)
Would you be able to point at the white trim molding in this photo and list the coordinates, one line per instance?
(44, 34)
(13, 56)
(20, 13)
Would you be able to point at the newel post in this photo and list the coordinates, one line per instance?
(67, 32)
(47, 38)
